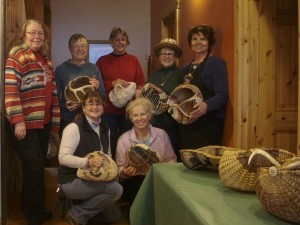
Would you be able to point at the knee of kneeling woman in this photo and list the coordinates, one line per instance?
(116, 191)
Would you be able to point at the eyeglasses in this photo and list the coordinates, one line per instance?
(90, 104)
(79, 46)
(167, 54)
(36, 33)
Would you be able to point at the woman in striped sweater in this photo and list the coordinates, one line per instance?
(32, 111)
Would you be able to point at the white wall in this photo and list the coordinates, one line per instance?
(95, 19)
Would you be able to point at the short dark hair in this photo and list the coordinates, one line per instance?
(94, 96)
(207, 31)
(76, 37)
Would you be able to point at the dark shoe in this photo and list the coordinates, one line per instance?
(69, 218)
(34, 222)
(47, 216)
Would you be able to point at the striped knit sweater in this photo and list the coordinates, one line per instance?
(25, 80)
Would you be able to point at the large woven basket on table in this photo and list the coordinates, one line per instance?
(236, 173)
(278, 189)
(208, 156)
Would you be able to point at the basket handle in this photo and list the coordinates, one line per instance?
(293, 165)
(98, 173)
(264, 153)
(118, 86)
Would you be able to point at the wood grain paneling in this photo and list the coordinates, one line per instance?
(266, 78)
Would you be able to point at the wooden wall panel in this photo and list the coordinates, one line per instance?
(266, 79)
(266, 72)
(246, 73)
(15, 16)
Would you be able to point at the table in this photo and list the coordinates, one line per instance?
(172, 194)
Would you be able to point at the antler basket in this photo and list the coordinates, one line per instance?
(236, 173)
(77, 89)
(108, 171)
(278, 190)
(182, 100)
(208, 156)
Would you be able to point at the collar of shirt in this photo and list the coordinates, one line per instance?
(94, 124)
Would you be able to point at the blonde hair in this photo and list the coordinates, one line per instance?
(140, 101)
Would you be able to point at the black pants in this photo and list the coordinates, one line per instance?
(32, 151)
(131, 187)
(207, 130)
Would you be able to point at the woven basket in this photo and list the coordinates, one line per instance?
(278, 190)
(120, 95)
(182, 100)
(236, 173)
(142, 157)
(157, 97)
(77, 89)
(108, 171)
(53, 145)
(208, 156)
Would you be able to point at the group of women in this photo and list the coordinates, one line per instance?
(35, 106)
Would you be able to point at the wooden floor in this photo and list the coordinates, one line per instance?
(15, 217)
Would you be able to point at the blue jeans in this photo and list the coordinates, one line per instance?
(118, 124)
(95, 196)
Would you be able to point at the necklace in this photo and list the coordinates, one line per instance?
(164, 78)
(192, 69)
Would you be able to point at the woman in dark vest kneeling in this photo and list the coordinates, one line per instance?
(85, 135)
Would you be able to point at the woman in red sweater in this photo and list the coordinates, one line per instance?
(116, 68)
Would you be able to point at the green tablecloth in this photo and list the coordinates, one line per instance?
(171, 194)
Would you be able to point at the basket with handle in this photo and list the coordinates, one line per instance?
(157, 97)
(77, 88)
(121, 94)
(207, 156)
(236, 173)
(182, 101)
(142, 157)
(108, 171)
(277, 188)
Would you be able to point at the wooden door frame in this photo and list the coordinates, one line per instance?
(2, 123)
(298, 126)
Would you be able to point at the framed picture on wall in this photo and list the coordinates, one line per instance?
(97, 49)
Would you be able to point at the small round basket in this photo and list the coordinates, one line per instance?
(235, 171)
(277, 188)
(208, 156)
(108, 171)
(142, 157)
(121, 94)
(157, 97)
